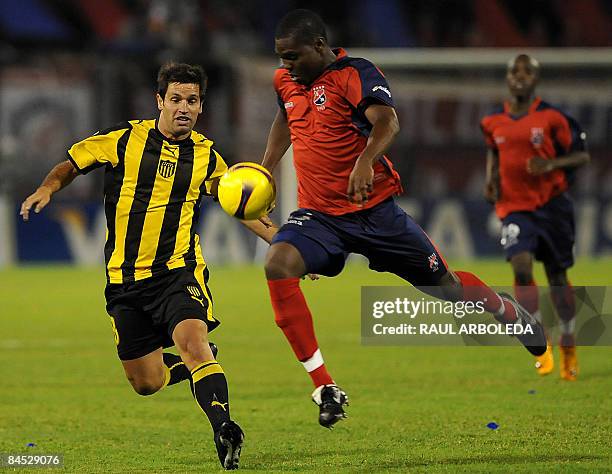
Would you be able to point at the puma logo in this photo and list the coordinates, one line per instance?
(196, 294)
(215, 403)
(171, 149)
(199, 300)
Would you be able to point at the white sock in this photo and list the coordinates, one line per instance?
(567, 327)
(314, 362)
(538, 316)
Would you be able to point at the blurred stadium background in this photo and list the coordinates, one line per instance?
(70, 67)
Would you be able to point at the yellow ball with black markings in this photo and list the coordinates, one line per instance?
(247, 191)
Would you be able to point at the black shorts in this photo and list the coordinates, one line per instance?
(144, 313)
(547, 233)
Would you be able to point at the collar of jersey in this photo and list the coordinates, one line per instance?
(340, 56)
(163, 137)
(532, 108)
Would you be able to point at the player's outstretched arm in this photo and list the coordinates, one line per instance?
(279, 140)
(385, 126)
(262, 227)
(59, 177)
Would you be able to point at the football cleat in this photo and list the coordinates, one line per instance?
(228, 441)
(545, 363)
(569, 363)
(535, 343)
(214, 349)
(330, 399)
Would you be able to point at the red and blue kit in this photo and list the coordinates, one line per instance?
(543, 131)
(329, 130)
(537, 214)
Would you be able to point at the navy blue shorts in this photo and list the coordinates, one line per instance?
(390, 239)
(547, 233)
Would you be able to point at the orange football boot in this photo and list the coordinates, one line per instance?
(569, 363)
(545, 363)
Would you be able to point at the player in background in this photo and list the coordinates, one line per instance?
(533, 150)
(156, 174)
(338, 113)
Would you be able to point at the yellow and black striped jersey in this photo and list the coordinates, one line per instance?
(152, 192)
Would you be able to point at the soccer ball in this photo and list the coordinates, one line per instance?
(247, 191)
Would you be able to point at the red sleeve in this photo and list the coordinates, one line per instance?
(277, 81)
(485, 127)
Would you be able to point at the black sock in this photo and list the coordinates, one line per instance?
(209, 388)
(176, 368)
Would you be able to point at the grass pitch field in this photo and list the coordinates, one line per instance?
(412, 409)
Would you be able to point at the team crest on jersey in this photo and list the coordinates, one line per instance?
(166, 168)
(433, 262)
(537, 136)
(318, 97)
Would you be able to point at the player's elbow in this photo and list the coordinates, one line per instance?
(394, 126)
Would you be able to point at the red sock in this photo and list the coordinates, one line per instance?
(292, 315)
(527, 296)
(565, 303)
(475, 290)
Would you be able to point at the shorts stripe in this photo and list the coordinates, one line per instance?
(198, 274)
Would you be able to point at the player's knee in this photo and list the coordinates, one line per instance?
(557, 279)
(523, 277)
(194, 350)
(279, 265)
(275, 270)
(191, 339)
(146, 386)
(450, 287)
(450, 280)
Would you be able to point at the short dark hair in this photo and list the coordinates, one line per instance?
(183, 74)
(305, 26)
(534, 63)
